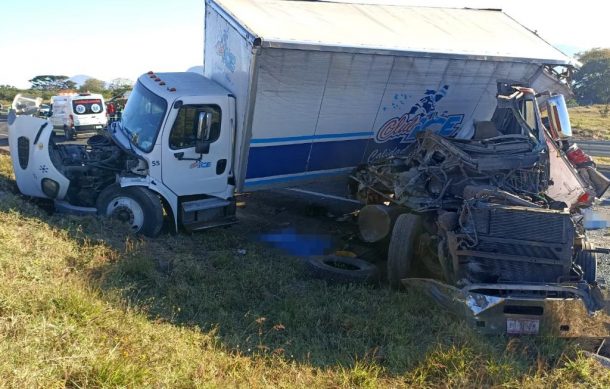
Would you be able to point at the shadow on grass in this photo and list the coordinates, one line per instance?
(260, 302)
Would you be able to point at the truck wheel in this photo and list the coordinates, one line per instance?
(342, 269)
(588, 263)
(401, 252)
(138, 206)
(69, 133)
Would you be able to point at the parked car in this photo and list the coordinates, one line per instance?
(44, 110)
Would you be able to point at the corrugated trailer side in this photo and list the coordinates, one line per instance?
(321, 113)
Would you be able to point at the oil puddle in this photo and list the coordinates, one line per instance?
(299, 244)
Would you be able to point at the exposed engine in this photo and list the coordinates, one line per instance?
(485, 203)
(92, 167)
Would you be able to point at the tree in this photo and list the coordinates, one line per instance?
(592, 81)
(93, 85)
(50, 82)
(8, 92)
(119, 86)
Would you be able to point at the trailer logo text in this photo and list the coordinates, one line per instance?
(422, 116)
(222, 49)
(200, 165)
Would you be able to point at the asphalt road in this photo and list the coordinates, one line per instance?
(3, 133)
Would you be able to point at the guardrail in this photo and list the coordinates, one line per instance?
(595, 148)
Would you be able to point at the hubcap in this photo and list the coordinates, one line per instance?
(126, 210)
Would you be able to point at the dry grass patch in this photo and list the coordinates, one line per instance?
(589, 122)
(85, 304)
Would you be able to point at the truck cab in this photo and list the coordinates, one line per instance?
(171, 152)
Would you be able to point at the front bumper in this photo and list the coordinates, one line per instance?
(88, 128)
(563, 310)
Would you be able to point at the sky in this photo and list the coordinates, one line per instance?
(109, 39)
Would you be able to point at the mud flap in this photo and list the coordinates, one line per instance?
(563, 310)
(29, 141)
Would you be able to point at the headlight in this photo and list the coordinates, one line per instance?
(50, 187)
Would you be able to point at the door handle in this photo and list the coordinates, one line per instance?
(180, 157)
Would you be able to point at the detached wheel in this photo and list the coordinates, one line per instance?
(342, 269)
(588, 263)
(403, 245)
(137, 206)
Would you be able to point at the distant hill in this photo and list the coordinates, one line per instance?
(80, 79)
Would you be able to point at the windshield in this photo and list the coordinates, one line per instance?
(142, 117)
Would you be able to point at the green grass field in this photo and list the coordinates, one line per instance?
(85, 304)
(589, 123)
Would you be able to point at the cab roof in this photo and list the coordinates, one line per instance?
(170, 86)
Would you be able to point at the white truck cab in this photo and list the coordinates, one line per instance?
(172, 148)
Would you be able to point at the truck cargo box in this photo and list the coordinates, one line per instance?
(322, 87)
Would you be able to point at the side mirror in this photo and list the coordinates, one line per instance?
(559, 119)
(204, 126)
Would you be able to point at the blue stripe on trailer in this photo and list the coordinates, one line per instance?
(311, 137)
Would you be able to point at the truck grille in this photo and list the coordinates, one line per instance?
(23, 151)
(523, 224)
(517, 244)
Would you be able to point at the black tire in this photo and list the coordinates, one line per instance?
(135, 205)
(343, 270)
(69, 133)
(403, 244)
(588, 263)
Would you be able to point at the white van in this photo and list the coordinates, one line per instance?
(80, 113)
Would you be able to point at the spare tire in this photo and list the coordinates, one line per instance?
(401, 252)
(343, 270)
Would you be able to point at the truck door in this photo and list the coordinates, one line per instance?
(186, 172)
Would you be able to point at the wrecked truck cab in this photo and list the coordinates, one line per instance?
(494, 218)
(29, 140)
(74, 176)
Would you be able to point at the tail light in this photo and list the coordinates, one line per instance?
(578, 158)
(71, 121)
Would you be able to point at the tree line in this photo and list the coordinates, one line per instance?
(49, 85)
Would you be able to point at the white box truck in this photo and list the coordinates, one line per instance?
(297, 91)
(283, 102)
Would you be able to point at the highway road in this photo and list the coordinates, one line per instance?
(595, 148)
(3, 132)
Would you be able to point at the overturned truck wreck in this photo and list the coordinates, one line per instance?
(495, 218)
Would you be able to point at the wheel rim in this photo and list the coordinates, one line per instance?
(126, 210)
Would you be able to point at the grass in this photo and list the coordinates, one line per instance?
(85, 304)
(589, 123)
